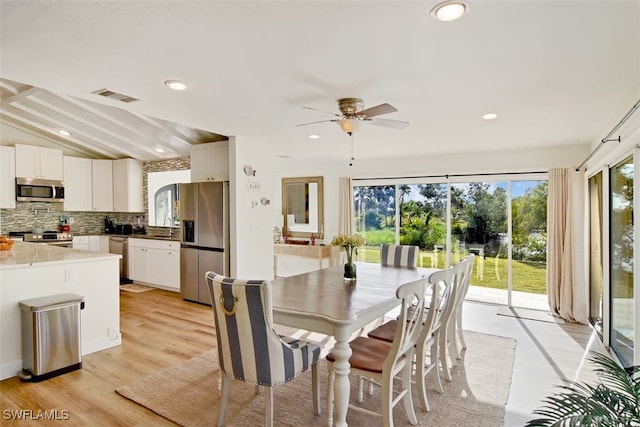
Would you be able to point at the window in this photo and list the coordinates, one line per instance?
(503, 222)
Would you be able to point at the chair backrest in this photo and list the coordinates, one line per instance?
(409, 323)
(462, 271)
(442, 297)
(248, 348)
(399, 256)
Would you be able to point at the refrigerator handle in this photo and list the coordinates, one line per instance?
(188, 231)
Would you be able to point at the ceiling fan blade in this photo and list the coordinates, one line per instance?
(325, 112)
(313, 123)
(378, 110)
(395, 124)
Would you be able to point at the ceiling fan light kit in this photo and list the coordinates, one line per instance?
(353, 115)
(449, 11)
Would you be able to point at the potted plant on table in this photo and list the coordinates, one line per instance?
(350, 243)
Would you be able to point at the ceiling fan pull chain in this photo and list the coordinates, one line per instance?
(351, 148)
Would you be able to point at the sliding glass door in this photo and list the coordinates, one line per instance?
(622, 260)
(503, 222)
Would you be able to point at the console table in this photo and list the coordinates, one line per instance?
(320, 252)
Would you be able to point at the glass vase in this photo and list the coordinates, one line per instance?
(350, 271)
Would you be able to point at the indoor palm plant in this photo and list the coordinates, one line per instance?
(350, 243)
(614, 401)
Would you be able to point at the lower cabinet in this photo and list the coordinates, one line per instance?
(91, 243)
(155, 262)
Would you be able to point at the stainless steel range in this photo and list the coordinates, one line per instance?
(50, 237)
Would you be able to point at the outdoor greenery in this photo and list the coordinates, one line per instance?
(478, 224)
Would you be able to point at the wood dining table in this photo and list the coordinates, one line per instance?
(323, 301)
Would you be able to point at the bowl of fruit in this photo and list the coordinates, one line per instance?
(6, 244)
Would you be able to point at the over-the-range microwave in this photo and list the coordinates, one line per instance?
(39, 190)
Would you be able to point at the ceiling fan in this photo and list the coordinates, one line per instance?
(353, 114)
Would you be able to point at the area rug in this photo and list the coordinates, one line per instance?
(526, 313)
(188, 394)
(134, 287)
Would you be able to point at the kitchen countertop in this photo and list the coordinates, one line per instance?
(26, 255)
(175, 237)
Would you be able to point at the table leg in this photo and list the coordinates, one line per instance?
(341, 367)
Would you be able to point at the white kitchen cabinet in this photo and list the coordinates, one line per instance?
(77, 184)
(39, 162)
(81, 242)
(155, 262)
(127, 185)
(102, 185)
(7, 177)
(210, 162)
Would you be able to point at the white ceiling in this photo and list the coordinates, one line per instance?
(556, 73)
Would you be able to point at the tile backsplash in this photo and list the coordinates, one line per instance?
(29, 215)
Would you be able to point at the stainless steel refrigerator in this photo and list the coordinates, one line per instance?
(204, 244)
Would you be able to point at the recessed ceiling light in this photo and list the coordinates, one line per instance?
(159, 150)
(64, 132)
(176, 84)
(314, 136)
(448, 11)
(489, 116)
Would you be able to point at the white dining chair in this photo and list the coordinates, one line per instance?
(381, 362)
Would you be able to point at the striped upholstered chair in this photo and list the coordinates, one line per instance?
(249, 349)
(399, 256)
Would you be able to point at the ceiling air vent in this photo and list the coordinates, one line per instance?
(115, 95)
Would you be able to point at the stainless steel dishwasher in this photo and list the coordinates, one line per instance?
(118, 245)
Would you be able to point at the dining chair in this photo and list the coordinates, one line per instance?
(399, 255)
(249, 349)
(457, 333)
(427, 353)
(381, 362)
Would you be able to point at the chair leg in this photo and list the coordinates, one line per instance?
(434, 355)
(463, 345)
(421, 380)
(268, 410)
(386, 399)
(444, 353)
(316, 388)
(360, 388)
(330, 394)
(408, 398)
(224, 399)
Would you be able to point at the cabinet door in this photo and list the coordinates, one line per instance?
(102, 185)
(221, 161)
(7, 177)
(137, 263)
(77, 184)
(27, 161)
(81, 242)
(171, 268)
(154, 266)
(51, 163)
(127, 185)
(201, 163)
(94, 243)
(104, 244)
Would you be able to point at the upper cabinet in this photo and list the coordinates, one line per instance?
(7, 177)
(102, 185)
(38, 162)
(210, 162)
(127, 185)
(77, 183)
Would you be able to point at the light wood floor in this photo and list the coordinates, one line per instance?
(160, 330)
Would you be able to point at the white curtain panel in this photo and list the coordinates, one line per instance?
(345, 206)
(566, 284)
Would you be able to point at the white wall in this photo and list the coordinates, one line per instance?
(251, 225)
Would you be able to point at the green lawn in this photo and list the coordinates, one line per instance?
(528, 277)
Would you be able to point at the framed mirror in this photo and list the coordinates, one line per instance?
(303, 207)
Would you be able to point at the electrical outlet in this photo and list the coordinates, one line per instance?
(69, 274)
